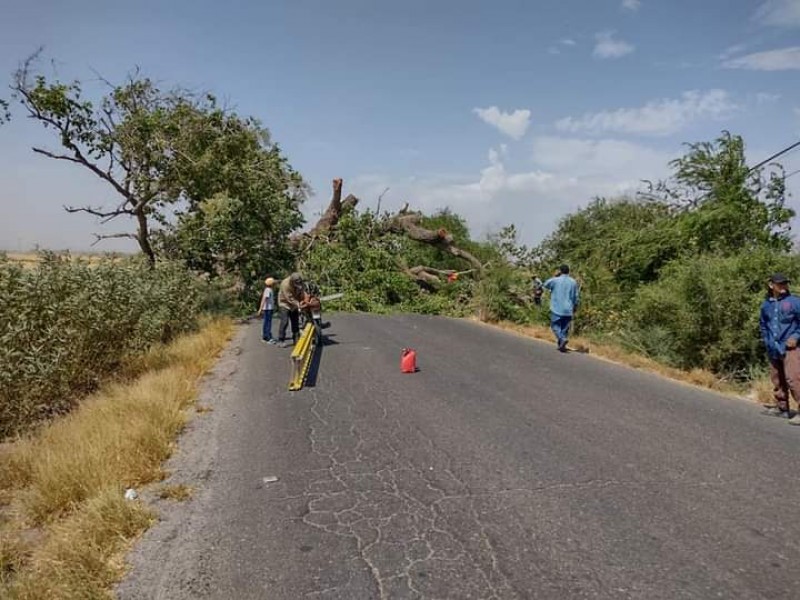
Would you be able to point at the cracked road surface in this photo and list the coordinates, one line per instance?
(502, 469)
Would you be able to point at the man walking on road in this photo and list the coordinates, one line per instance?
(564, 299)
(780, 330)
(290, 295)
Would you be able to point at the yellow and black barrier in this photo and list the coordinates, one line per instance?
(302, 356)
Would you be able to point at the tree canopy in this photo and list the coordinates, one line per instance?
(163, 153)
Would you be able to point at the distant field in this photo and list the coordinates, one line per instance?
(31, 259)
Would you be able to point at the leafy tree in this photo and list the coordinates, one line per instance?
(245, 236)
(724, 205)
(630, 240)
(158, 150)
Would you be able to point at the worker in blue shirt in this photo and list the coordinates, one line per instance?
(780, 331)
(564, 300)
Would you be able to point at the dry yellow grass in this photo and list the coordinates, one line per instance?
(82, 555)
(32, 259)
(762, 392)
(68, 479)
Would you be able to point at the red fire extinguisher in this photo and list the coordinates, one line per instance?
(408, 361)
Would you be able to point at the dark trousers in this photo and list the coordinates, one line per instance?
(560, 326)
(266, 329)
(785, 376)
(287, 316)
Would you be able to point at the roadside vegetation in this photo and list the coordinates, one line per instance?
(64, 522)
(66, 325)
(100, 357)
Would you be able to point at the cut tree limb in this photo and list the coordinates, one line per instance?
(408, 224)
(329, 219)
(331, 216)
(336, 208)
(429, 277)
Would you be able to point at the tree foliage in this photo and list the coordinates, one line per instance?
(725, 206)
(161, 151)
(679, 272)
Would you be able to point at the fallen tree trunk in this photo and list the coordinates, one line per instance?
(425, 276)
(408, 224)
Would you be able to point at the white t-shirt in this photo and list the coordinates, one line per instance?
(268, 299)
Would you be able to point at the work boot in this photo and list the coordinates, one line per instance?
(795, 420)
(774, 411)
(562, 346)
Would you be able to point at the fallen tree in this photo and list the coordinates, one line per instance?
(406, 223)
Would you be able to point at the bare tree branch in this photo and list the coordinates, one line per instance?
(97, 212)
(110, 236)
(380, 198)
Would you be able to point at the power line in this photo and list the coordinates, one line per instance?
(774, 156)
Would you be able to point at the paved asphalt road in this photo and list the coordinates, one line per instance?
(502, 469)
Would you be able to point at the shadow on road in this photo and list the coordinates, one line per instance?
(316, 360)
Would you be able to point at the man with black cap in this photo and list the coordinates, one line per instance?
(780, 330)
(564, 299)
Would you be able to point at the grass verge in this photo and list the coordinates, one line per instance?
(65, 525)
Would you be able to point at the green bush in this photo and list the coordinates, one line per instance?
(66, 324)
(502, 295)
(703, 311)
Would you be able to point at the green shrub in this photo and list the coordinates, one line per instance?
(704, 311)
(501, 295)
(66, 324)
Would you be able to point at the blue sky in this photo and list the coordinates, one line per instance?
(507, 111)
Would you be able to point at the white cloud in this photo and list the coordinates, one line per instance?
(513, 124)
(632, 5)
(732, 51)
(780, 13)
(608, 47)
(565, 173)
(657, 117)
(564, 42)
(767, 98)
(783, 59)
(623, 160)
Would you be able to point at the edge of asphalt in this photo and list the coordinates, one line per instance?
(512, 332)
(191, 464)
